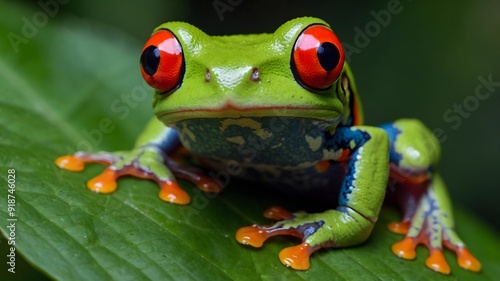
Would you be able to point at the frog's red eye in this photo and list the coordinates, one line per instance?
(162, 62)
(317, 57)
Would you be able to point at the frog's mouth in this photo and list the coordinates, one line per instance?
(231, 110)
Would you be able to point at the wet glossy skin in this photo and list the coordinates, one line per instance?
(283, 109)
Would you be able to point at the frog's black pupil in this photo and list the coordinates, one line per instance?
(328, 56)
(150, 59)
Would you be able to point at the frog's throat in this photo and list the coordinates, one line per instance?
(230, 111)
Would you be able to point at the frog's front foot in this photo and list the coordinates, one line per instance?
(315, 230)
(296, 257)
(147, 162)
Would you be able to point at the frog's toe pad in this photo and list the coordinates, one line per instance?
(296, 257)
(252, 235)
(171, 192)
(208, 184)
(104, 182)
(70, 163)
(278, 214)
(437, 262)
(399, 227)
(76, 162)
(405, 248)
(467, 261)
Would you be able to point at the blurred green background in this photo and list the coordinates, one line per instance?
(425, 61)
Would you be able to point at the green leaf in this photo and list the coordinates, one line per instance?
(75, 85)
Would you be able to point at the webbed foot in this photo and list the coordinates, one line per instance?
(316, 231)
(296, 257)
(432, 226)
(147, 162)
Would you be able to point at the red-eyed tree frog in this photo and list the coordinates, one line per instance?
(292, 93)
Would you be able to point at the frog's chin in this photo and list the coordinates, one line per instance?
(234, 112)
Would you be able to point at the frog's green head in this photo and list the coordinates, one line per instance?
(295, 71)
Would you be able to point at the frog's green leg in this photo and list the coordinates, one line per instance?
(150, 159)
(360, 199)
(421, 193)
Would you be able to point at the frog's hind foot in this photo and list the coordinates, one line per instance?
(406, 249)
(432, 226)
(421, 194)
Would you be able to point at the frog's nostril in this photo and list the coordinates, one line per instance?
(208, 75)
(255, 77)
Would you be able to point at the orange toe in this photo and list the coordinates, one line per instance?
(251, 235)
(436, 262)
(70, 163)
(171, 192)
(296, 257)
(277, 213)
(467, 261)
(208, 184)
(399, 227)
(103, 183)
(405, 248)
